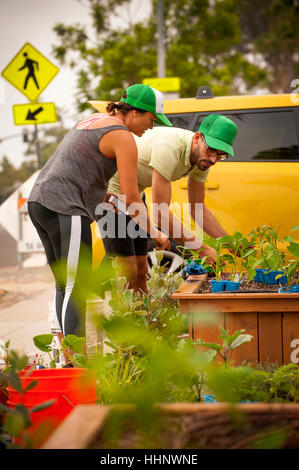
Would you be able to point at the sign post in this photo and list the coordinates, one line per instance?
(170, 86)
(30, 72)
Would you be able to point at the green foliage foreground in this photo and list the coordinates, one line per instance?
(150, 361)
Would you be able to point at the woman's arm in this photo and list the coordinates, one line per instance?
(123, 146)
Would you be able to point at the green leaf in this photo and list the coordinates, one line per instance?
(231, 338)
(207, 356)
(4, 408)
(31, 385)
(73, 342)
(15, 424)
(294, 249)
(43, 342)
(15, 381)
(215, 346)
(43, 406)
(23, 410)
(241, 340)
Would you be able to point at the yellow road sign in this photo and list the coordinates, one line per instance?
(34, 113)
(30, 72)
(163, 84)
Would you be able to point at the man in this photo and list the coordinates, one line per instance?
(165, 155)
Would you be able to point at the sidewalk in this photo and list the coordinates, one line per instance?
(25, 295)
(24, 305)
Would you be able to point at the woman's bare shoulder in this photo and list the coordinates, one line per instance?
(98, 120)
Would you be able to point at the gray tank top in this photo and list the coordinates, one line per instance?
(75, 179)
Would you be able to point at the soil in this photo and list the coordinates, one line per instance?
(202, 431)
(245, 285)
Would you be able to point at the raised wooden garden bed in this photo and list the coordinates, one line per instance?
(181, 426)
(272, 319)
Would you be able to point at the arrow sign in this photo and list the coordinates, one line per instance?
(31, 115)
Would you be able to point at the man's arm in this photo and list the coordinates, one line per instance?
(196, 194)
(161, 194)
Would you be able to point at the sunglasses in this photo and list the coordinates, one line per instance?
(220, 154)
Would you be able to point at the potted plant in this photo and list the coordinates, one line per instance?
(155, 410)
(290, 268)
(40, 398)
(272, 255)
(272, 318)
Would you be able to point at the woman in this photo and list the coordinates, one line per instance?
(64, 199)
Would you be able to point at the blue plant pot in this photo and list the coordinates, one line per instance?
(210, 399)
(259, 277)
(218, 286)
(230, 285)
(295, 288)
(193, 268)
(283, 290)
(269, 278)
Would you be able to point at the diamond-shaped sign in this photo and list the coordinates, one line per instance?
(30, 72)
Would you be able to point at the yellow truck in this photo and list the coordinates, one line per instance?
(260, 184)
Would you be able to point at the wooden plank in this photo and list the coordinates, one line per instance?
(206, 327)
(70, 435)
(241, 302)
(192, 284)
(247, 321)
(290, 330)
(270, 337)
(204, 321)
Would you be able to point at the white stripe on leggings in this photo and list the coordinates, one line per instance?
(57, 326)
(72, 262)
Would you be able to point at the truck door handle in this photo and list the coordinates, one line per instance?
(211, 185)
(208, 185)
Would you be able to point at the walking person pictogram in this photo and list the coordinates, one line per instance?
(30, 64)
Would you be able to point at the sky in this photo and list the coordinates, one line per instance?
(33, 21)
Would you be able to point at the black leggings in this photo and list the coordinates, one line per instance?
(67, 241)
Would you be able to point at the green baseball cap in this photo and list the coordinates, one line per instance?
(219, 132)
(147, 98)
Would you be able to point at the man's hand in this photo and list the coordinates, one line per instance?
(210, 254)
(162, 242)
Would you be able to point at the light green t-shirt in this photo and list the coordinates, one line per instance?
(167, 150)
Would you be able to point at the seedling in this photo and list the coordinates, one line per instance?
(229, 343)
(69, 343)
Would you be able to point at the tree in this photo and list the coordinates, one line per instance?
(49, 139)
(270, 31)
(203, 47)
(231, 45)
(11, 177)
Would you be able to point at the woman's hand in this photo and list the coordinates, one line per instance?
(108, 196)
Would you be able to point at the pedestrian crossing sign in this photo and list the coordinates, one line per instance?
(30, 72)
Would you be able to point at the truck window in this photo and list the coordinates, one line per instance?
(180, 120)
(266, 135)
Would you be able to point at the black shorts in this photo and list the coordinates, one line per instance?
(121, 235)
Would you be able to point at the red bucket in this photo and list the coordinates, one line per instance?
(67, 387)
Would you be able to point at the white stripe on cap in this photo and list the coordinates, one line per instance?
(159, 101)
